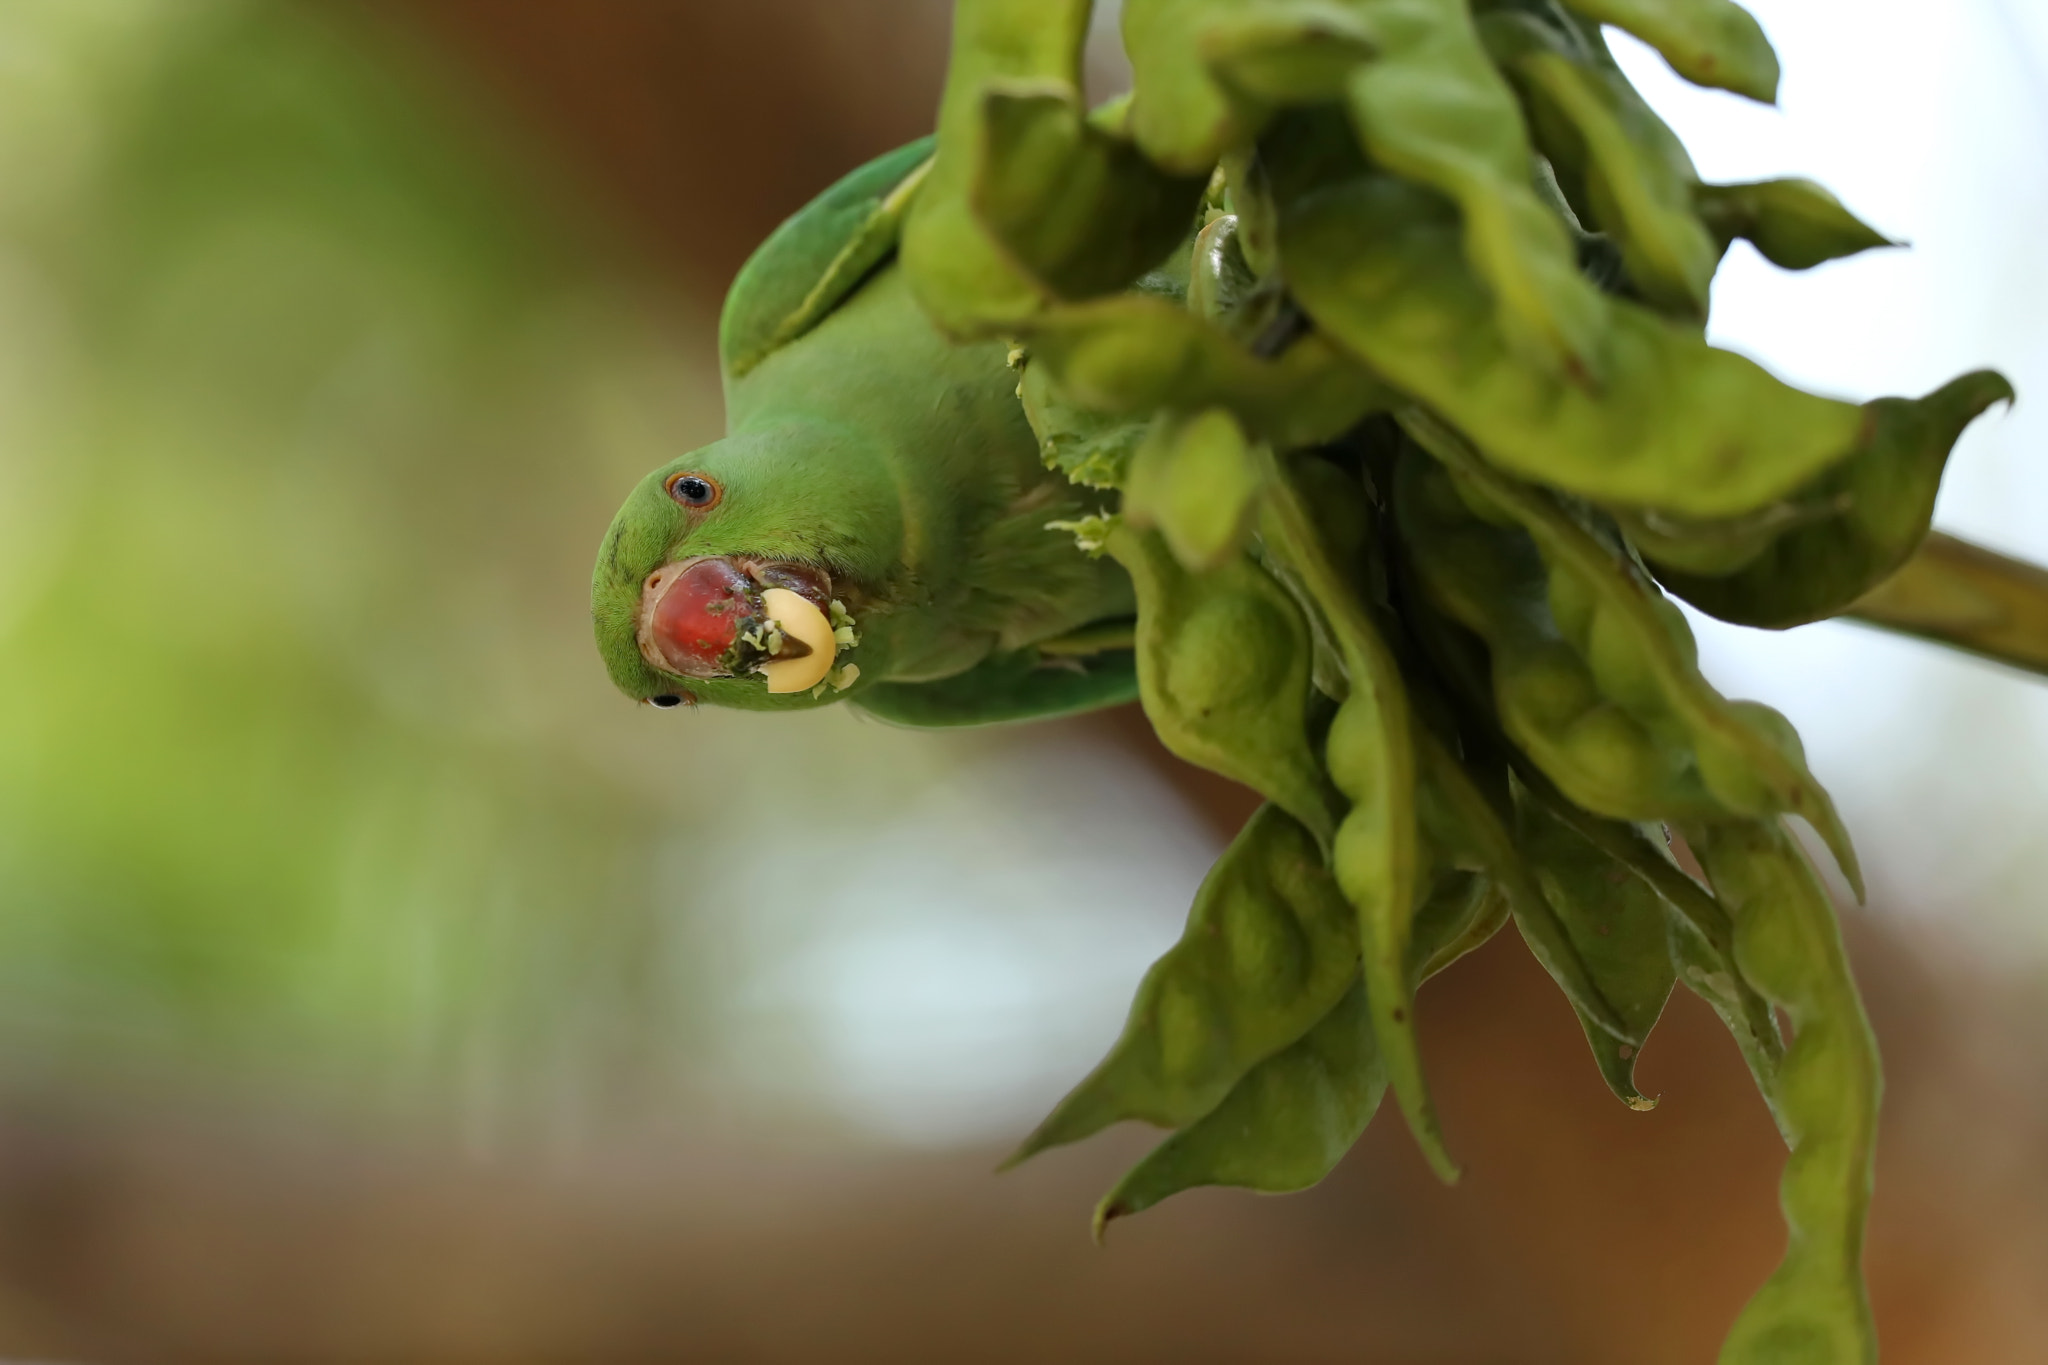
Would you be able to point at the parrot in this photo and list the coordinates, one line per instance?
(877, 525)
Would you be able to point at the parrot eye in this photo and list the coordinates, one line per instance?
(665, 701)
(693, 490)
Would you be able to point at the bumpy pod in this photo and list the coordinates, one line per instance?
(1677, 424)
(1223, 672)
(1270, 946)
(1842, 535)
(1813, 1308)
(1594, 673)
(1293, 1116)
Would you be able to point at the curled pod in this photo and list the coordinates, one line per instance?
(1224, 659)
(1814, 1306)
(1270, 946)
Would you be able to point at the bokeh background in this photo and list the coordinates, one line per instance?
(377, 985)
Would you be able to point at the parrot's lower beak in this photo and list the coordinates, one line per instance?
(729, 616)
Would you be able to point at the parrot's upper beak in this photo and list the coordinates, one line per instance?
(732, 615)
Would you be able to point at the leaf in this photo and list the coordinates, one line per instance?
(1678, 425)
(1794, 223)
(1594, 673)
(1091, 448)
(1269, 948)
(1618, 924)
(1223, 672)
(1813, 1307)
(1432, 109)
(1709, 42)
(1968, 598)
(1870, 513)
(1195, 479)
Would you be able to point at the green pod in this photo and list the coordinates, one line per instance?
(1460, 819)
(1269, 949)
(1194, 478)
(1677, 425)
(1794, 223)
(1028, 200)
(1282, 1128)
(1181, 115)
(1293, 1116)
(1814, 1306)
(1432, 108)
(1966, 597)
(1220, 280)
(1137, 353)
(1593, 673)
(1709, 42)
(1701, 939)
(1619, 925)
(1861, 520)
(1622, 169)
(1223, 672)
(1076, 205)
(1292, 52)
(1377, 853)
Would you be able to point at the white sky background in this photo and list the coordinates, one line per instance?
(922, 984)
(1932, 123)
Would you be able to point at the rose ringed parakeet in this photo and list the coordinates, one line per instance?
(875, 525)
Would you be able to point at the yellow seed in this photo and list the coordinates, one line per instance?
(802, 621)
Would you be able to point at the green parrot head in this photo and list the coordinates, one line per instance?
(718, 578)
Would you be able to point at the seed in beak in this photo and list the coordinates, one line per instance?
(804, 624)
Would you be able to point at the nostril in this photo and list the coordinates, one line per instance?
(665, 701)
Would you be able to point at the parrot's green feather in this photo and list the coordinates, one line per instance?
(814, 260)
(1006, 687)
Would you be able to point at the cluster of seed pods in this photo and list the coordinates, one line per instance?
(1380, 324)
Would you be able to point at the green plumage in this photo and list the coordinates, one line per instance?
(862, 442)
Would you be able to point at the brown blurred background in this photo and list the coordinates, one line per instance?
(459, 1109)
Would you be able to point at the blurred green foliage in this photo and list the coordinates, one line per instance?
(310, 403)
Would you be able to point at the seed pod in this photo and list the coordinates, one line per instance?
(1377, 853)
(1269, 948)
(983, 244)
(1709, 42)
(1432, 109)
(1814, 1306)
(1077, 206)
(1282, 1128)
(1677, 425)
(1135, 354)
(1195, 479)
(1223, 672)
(1294, 1115)
(1622, 169)
(1852, 527)
(1619, 926)
(1640, 657)
(1794, 223)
